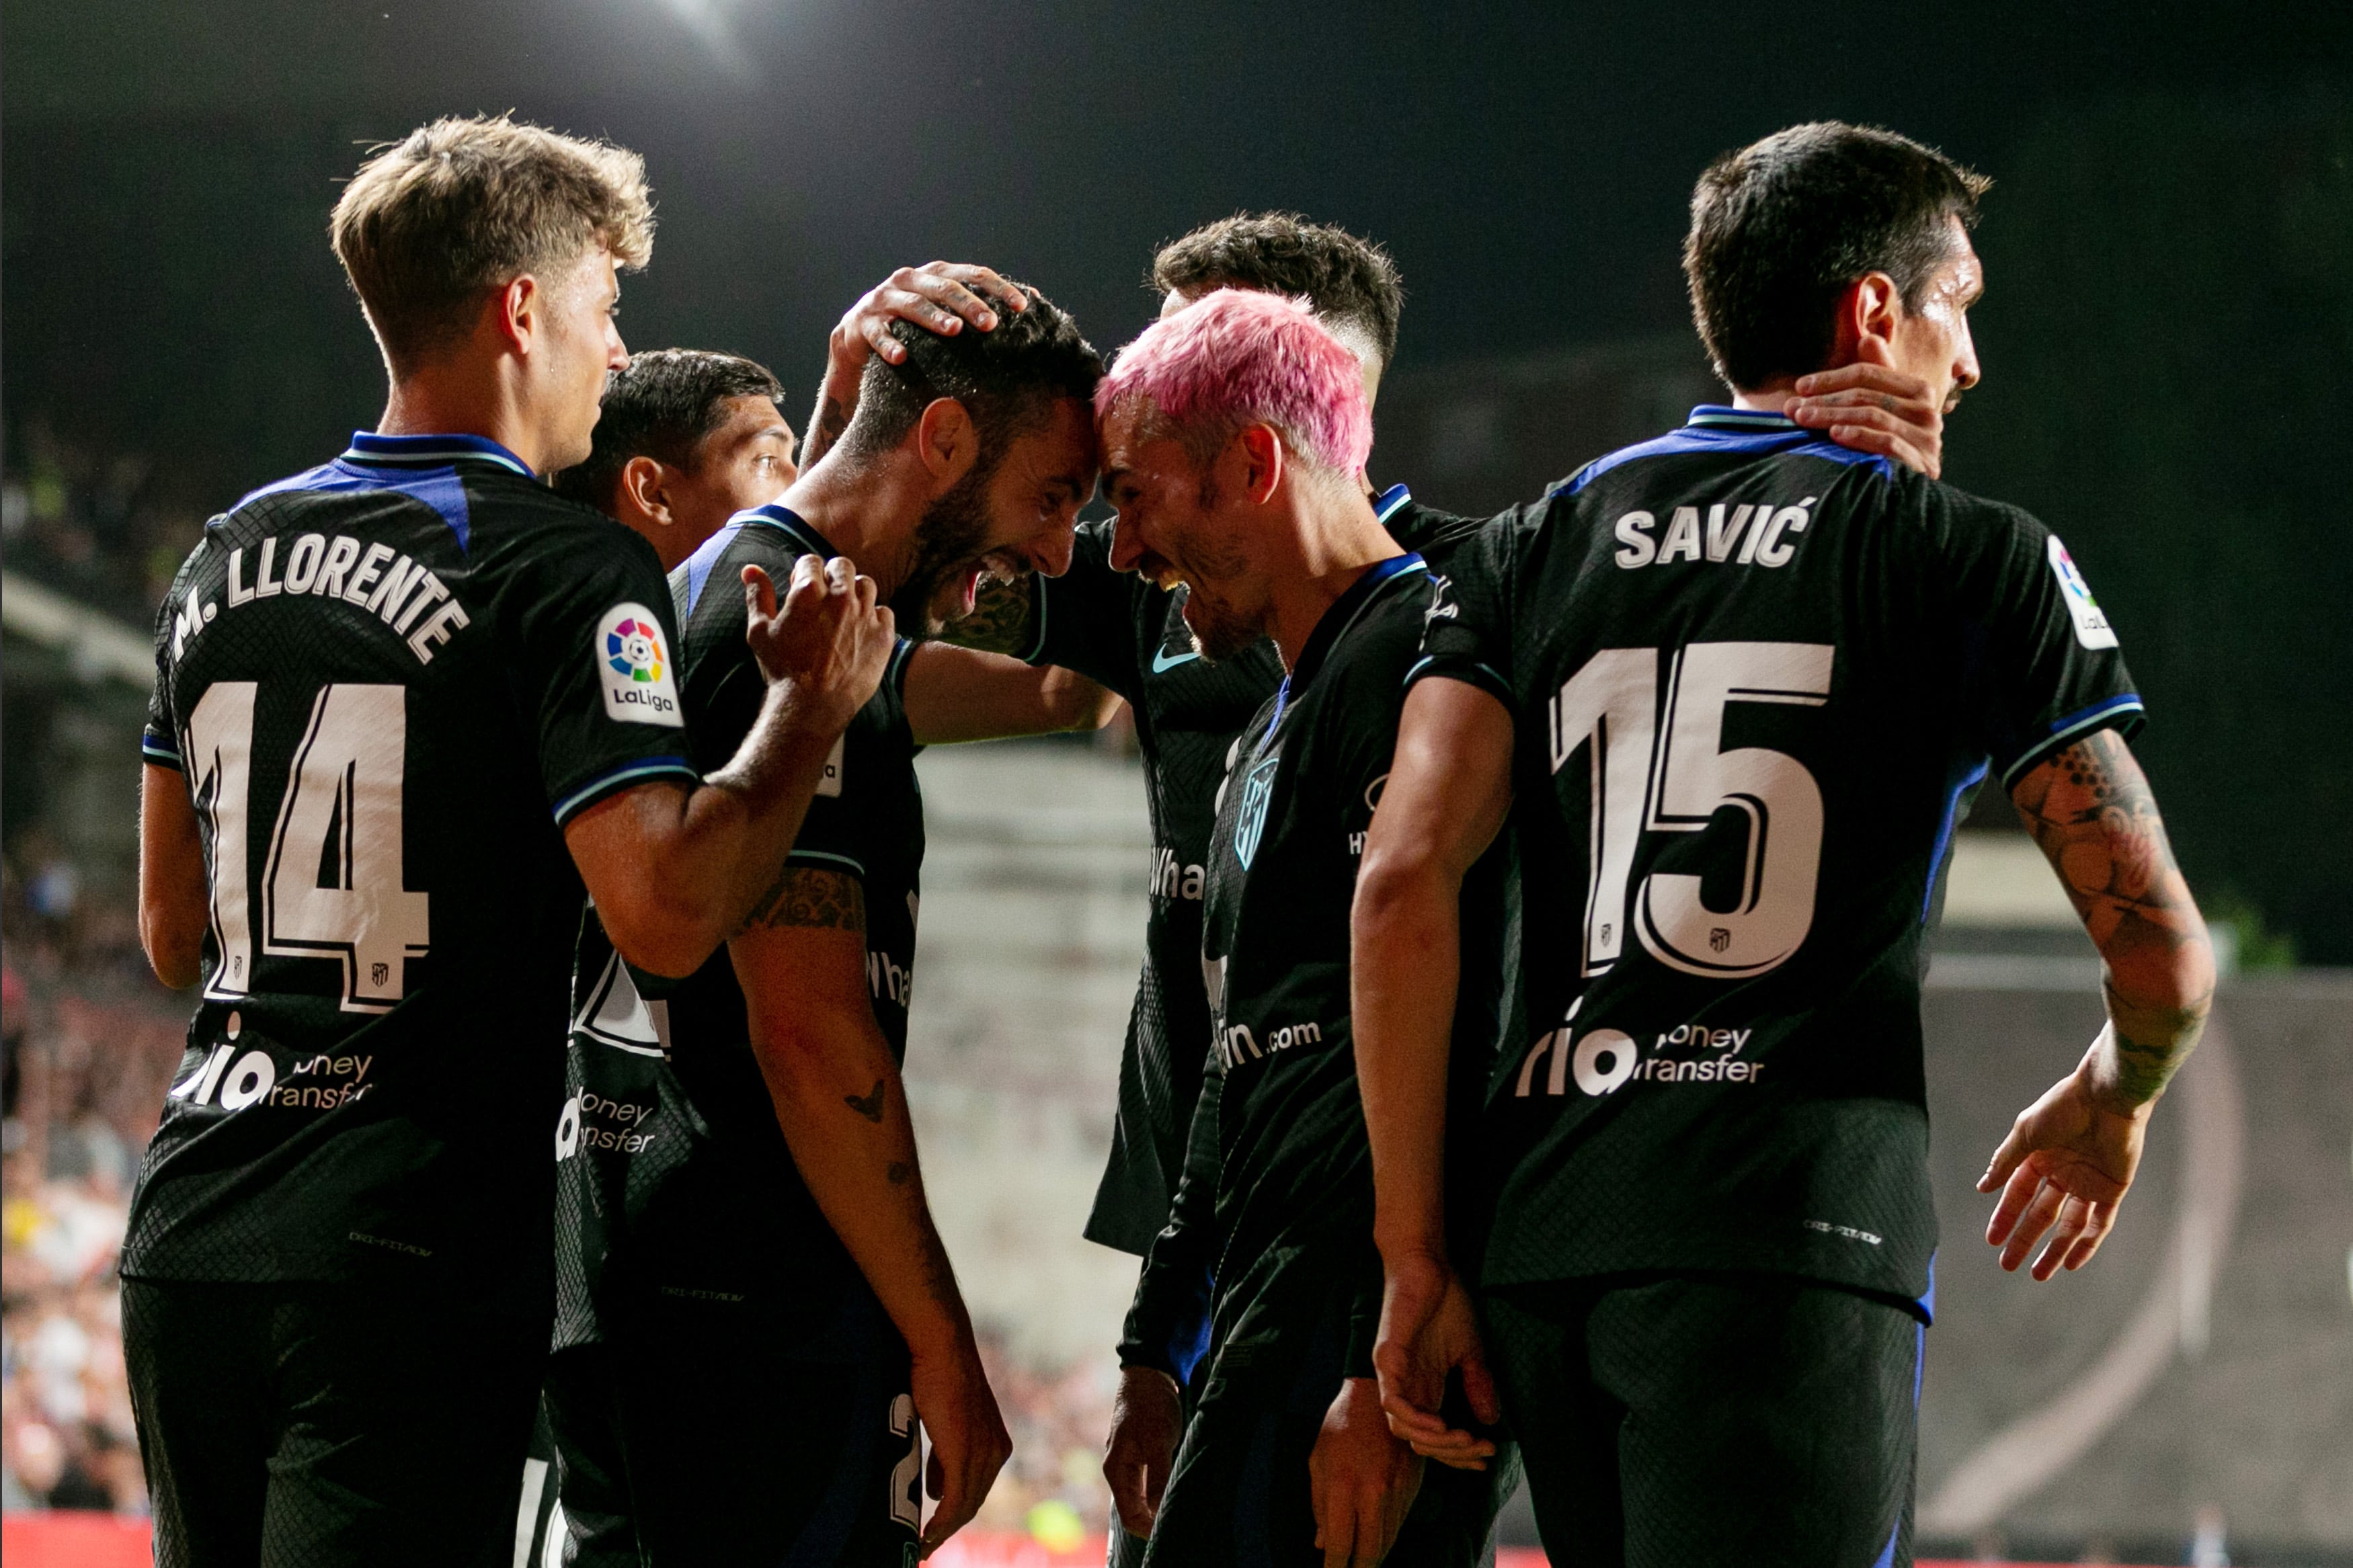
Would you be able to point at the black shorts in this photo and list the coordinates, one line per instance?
(704, 1430)
(1690, 1420)
(1239, 1496)
(296, 1423)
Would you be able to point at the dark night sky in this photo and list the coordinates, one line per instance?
(2166, 334)
(1528, 164)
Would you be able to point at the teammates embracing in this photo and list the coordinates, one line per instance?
(1594, 1147)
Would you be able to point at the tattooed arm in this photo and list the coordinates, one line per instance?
(2070, 1156)
(801, 959)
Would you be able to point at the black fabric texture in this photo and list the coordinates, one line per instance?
(297, 1423)
(707, 1431)
(1699, 1420)
(1239, 1492)
(1757, 679)
(374, 1062)
(1281, 1201)
(672, 1173)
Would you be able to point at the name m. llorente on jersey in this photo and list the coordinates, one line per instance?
(344, 810)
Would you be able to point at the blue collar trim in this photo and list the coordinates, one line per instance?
(1716, 417)
(1335, 625)
(773, 515)
(371, 448)
(1385, 504)
(1714, 429)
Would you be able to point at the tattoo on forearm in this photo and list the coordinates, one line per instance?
(825, 429)
(870, 1104)
(2091, 811)
(811, 898)
(1000, 622)
(899, 1172)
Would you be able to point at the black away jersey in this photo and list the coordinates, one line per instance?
(1292, 1214)
(390, 681)
(1756, 678)
(1129, 635)
(673, 1175)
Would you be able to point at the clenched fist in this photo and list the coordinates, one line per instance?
(830, 640)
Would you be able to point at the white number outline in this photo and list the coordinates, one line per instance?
(1668, 773)
(353, 750)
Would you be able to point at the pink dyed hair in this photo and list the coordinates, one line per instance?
(1239, 357)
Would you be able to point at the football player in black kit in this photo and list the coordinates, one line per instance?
(1128, 633)
(406, 703)
(689, 439)
(1733, 688)
(1234, 434)
(750, 1257)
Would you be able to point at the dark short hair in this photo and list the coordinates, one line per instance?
(663, 406)
(1006, 378)
(1346, 281)
(1781, 229)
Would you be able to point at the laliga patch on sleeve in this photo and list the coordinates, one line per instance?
(2091, 628)
(635, 668)
(831, 783)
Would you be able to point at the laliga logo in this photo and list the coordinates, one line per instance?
(632, 649)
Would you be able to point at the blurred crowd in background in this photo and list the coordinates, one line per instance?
(89, 1058)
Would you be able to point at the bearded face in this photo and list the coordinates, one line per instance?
(948, 544)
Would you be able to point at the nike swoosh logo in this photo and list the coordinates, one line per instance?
(1162, 664)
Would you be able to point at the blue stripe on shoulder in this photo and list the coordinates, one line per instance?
(440, 488)
(1762, 444)
(699, 565)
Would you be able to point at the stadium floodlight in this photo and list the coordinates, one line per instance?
(712, 23)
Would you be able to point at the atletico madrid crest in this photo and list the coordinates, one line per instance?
(1250, 822)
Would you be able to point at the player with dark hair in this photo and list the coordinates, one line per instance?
(1732, 688)
(687, 439)
(406, 703)
(756, 1310)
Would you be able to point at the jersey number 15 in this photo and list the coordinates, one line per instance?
(1665, 771)
(332, 884)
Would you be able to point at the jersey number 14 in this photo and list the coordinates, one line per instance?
(332, 884)
(1657, 771)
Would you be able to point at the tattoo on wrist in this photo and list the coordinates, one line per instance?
(811, 898)
(870, 1104)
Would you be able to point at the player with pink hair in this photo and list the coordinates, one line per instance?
(1234, 434)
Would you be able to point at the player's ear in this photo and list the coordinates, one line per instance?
(642, 492)
(515, 311)
(946, 440)
(1255, 459)
(1869, 312)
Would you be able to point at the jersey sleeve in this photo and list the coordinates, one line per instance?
(594, 662)
(159, 740)
(1085, 618)
(1467, 636)
(1168, 1324)
(834, 836)
(2041, 665)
